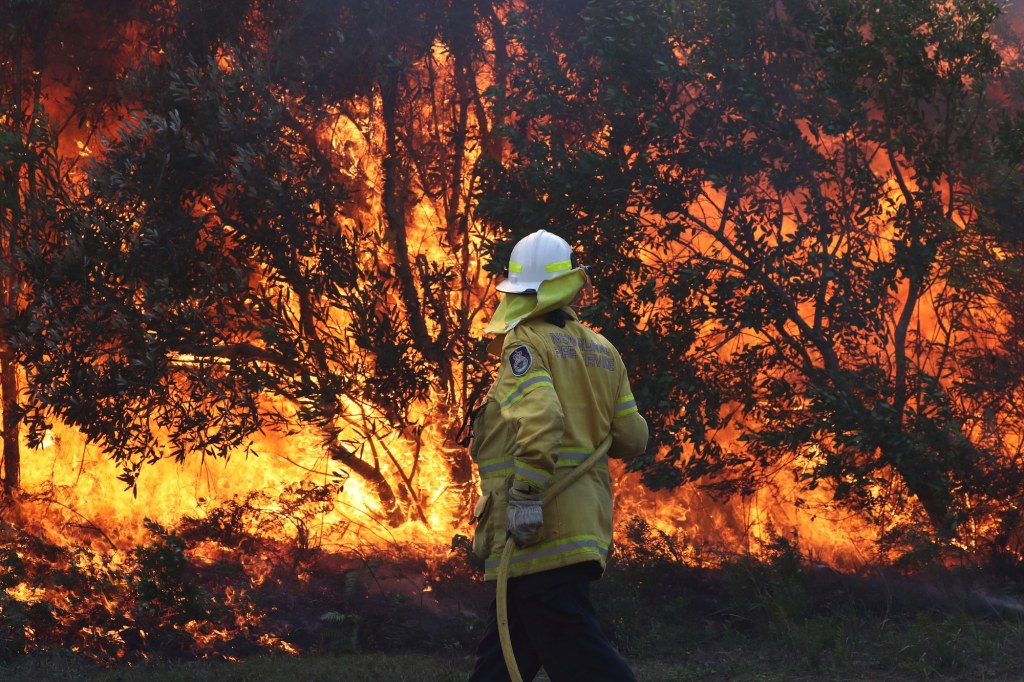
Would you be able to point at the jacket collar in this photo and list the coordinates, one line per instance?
(552, 294)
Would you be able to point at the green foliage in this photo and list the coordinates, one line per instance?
(770, 588)
(162, 580)
(13, 628)
(341, 632)
(295, 513)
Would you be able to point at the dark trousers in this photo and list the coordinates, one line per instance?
(552, 624)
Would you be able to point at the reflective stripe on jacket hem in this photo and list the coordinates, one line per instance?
(551, 552)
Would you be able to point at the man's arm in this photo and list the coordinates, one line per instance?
(532, 408)
(629, 428)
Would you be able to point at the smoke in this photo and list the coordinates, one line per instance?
(1013, 15)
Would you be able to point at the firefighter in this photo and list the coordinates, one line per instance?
(561, 389)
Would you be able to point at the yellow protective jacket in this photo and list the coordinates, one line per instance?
(559, 392)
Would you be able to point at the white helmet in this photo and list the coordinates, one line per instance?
(535, 258)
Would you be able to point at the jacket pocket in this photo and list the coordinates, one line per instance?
(483, 505)
(476, 430)
(482, 536)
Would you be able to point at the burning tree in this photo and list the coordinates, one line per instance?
(792, 201)
(54, 84)
(800, 216)
(277, 240)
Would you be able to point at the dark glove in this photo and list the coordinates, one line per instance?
(525, 516)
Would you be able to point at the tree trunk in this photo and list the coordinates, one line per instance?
(11, 441)
(392, 512)
(394, 217)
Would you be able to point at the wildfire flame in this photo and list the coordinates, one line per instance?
(292, 492)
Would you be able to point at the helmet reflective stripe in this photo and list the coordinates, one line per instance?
(535, 258)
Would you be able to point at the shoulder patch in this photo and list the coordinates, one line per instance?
(520, 361)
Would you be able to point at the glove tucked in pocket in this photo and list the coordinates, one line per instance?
(482, 535)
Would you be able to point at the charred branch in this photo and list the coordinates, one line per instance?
(392, 512)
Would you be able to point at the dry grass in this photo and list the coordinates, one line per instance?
(818, 650)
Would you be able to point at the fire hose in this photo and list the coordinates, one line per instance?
(501, 597)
